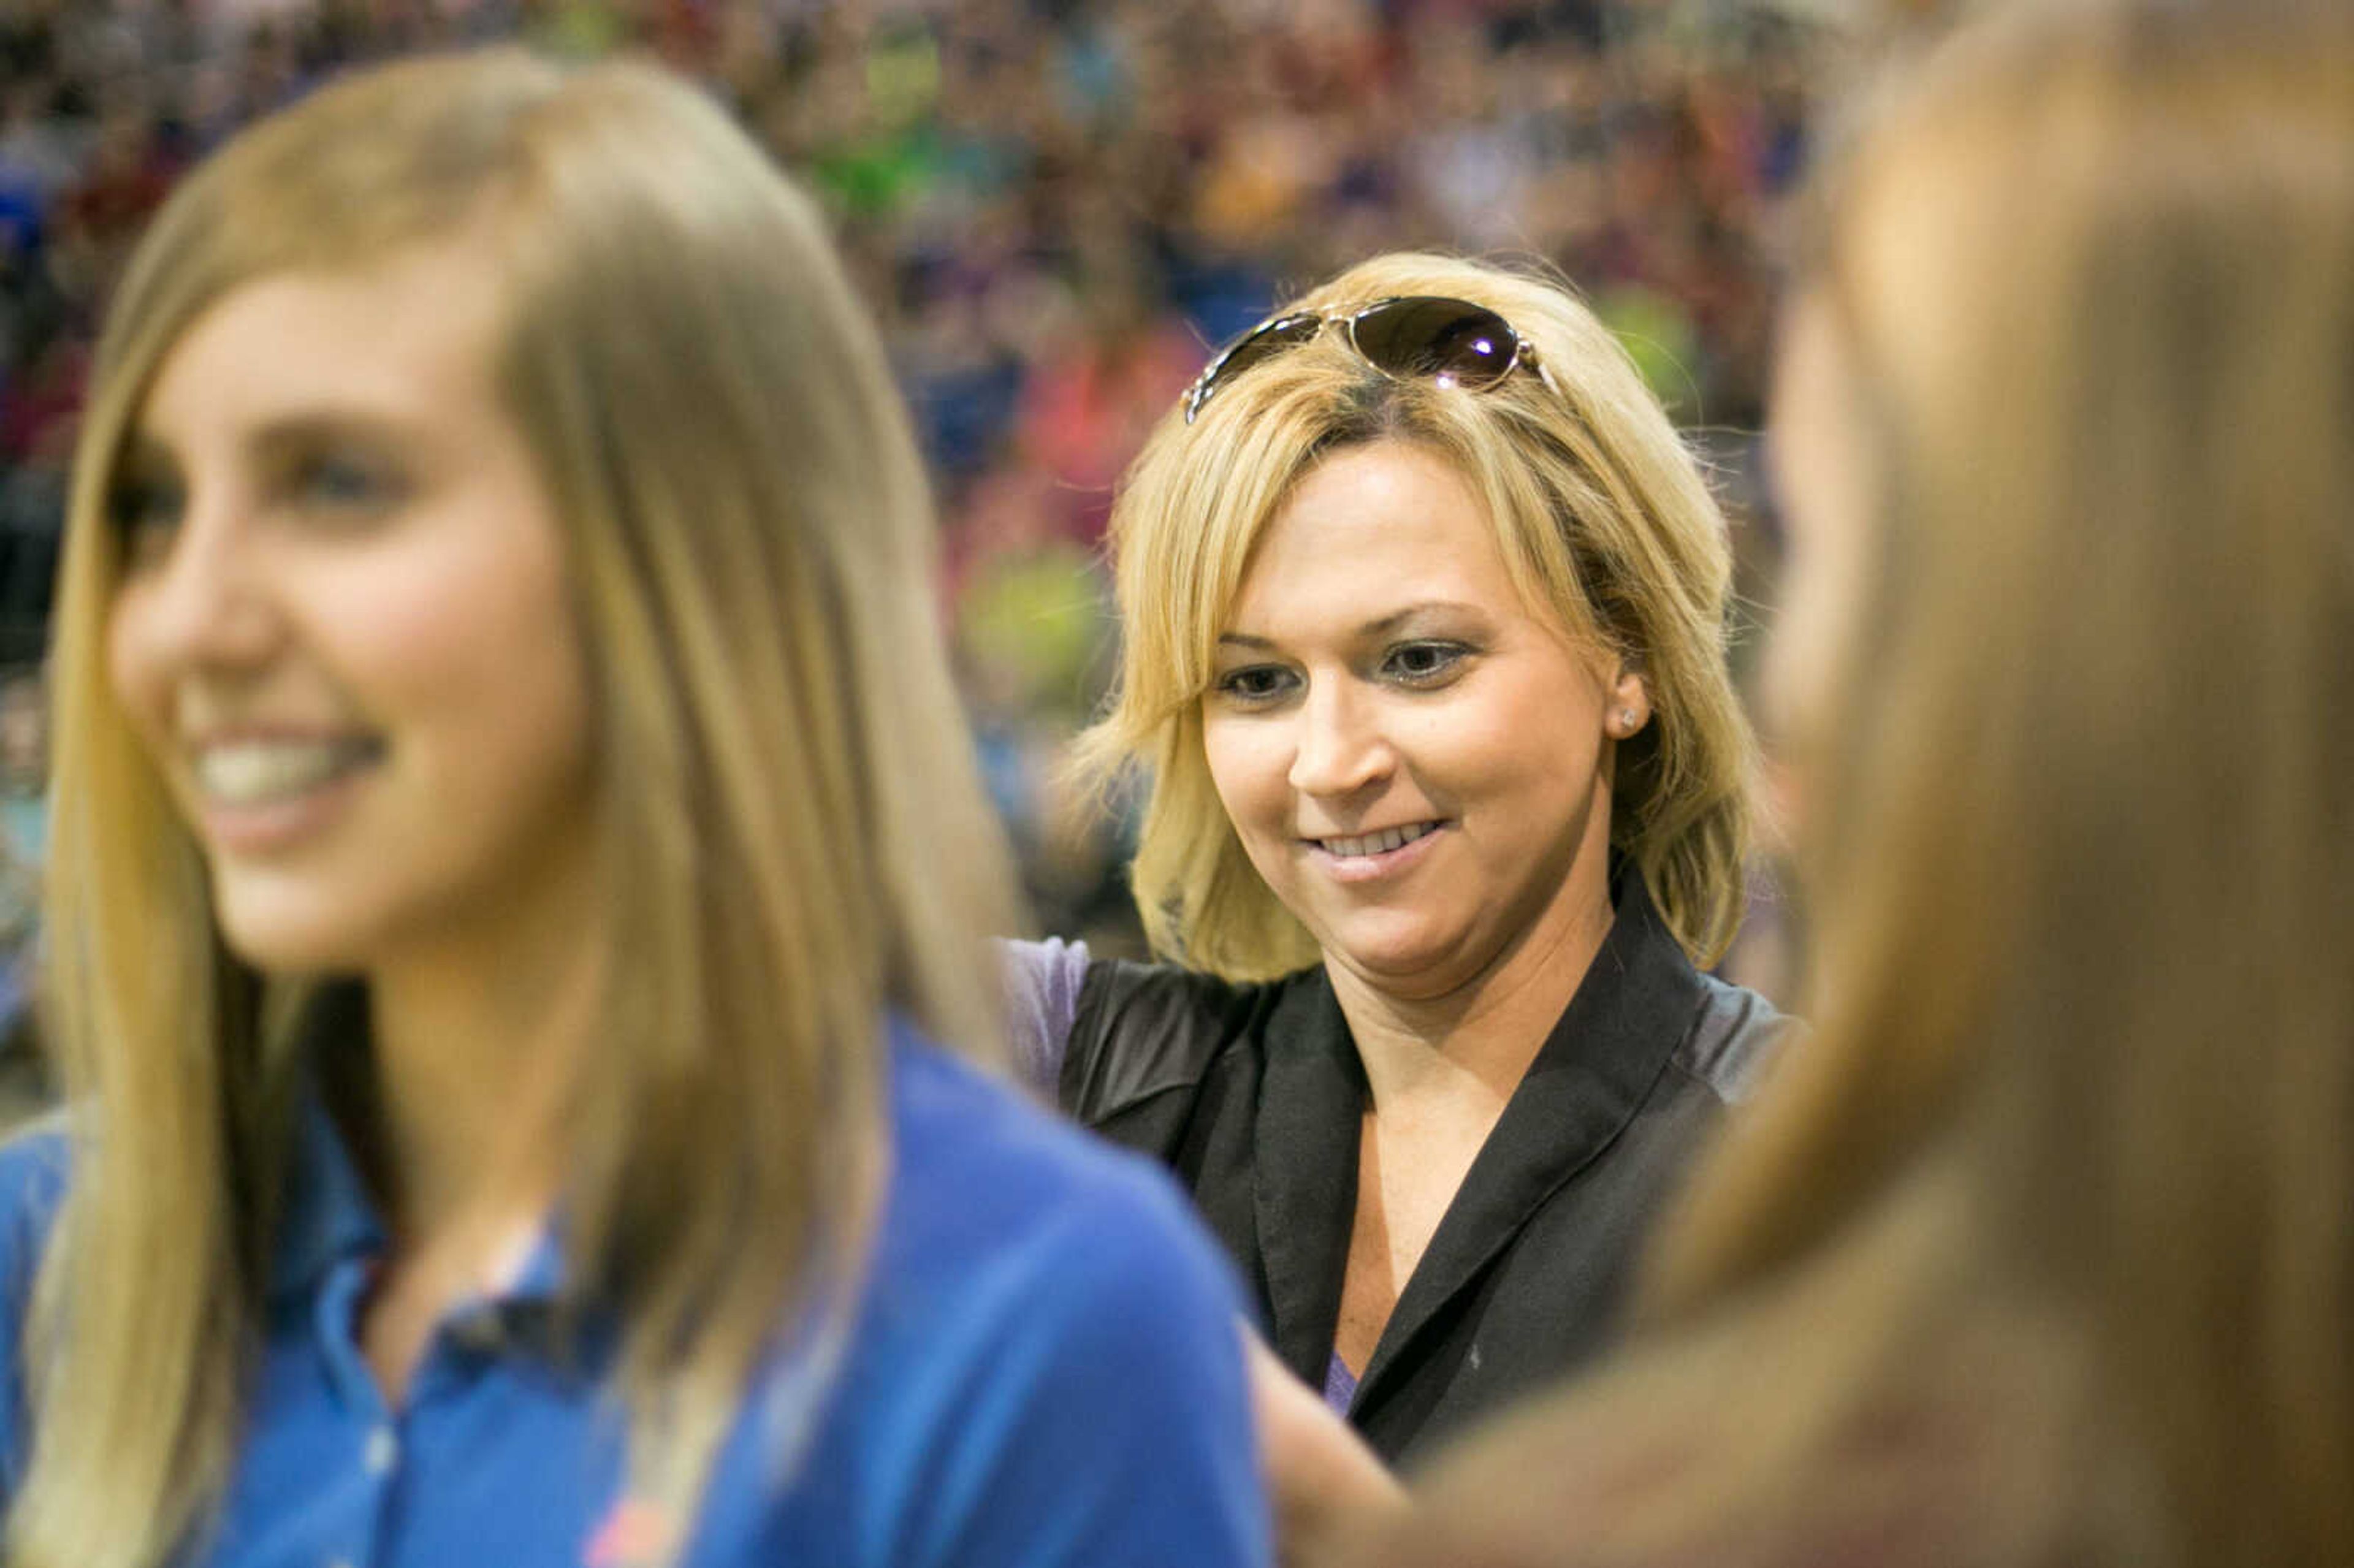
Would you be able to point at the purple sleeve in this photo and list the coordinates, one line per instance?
(1042, 1002)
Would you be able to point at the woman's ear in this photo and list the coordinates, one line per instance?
(1629, 700)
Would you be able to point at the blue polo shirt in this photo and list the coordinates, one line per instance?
(1043, 1370)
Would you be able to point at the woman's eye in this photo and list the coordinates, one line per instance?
(340, 483)
(144, 513)
(1255, 682)
(1424, 662)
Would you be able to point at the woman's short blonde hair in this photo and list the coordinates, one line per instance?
(793, 828)
(1604, 522)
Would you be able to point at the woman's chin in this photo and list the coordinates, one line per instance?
(278, 932)
(1408, 964)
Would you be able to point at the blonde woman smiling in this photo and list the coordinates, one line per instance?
(1425, 613)
(516, 855)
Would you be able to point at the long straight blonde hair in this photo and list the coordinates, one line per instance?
(2041, 1250)
(794, 835)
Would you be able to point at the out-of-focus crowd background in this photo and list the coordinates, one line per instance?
(1056, 208)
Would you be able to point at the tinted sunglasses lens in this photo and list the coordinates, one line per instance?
(1252, 348)
(1451, 342)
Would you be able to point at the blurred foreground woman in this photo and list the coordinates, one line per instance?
(2042, 1253)
(515, 838)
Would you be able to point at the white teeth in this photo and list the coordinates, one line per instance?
(243, 772)
(1376, 843)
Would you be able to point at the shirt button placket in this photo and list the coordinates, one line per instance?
(377, 1454)
(380, 1456)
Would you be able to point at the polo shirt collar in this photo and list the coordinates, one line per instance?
(328, 1217)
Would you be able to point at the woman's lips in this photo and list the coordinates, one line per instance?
(256, 796)
(1370, 857)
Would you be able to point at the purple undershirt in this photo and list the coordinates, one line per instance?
(1340, 1386)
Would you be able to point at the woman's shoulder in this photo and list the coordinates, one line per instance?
(1099, 1032)
(992, 1198)
(997, 1166)
(35, 1162)
(1046, 1368)
(1059, 978)
(1042, 983)
(1733, 1038)
(35, 1165)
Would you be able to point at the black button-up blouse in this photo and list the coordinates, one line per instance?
(1253, 1095)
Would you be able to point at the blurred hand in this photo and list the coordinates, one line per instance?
(1322, 1478)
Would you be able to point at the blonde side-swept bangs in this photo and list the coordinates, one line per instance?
(1603, 518)
(792, 826)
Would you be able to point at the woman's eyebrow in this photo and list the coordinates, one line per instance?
(308, 428)
(1398, 619)
(1380, 626)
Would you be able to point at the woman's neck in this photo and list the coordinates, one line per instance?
(476, 1046)
(1477, 1039)
(476, 1049)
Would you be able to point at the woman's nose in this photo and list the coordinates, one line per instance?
(200, 597)
(1340, 746)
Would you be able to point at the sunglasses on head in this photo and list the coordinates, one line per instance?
(1412, 337)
